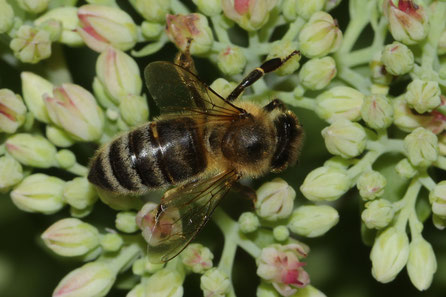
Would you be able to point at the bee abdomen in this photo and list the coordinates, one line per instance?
(155, 155)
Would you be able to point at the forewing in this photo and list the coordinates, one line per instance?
(174, 89)
(183, 211)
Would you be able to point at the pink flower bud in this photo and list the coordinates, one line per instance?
(75, 110)
(280, 264)
(407, 21)
(101, 26)
(251, 15)
(180, 28)
(12, 111)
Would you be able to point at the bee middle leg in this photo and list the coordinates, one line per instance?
(276, 103)
(256, 74)
(184, 59)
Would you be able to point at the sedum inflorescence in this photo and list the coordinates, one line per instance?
(384, 99)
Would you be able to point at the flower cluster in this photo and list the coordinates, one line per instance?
(52, 121)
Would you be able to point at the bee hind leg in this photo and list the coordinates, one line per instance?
(256, 74)
(184, 59)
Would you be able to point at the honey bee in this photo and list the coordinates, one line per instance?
(202, 143)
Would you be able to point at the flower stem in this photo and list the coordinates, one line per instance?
(124, 258)
(294, 29)
(409, 201)
(355, 79)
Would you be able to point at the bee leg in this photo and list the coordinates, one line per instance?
(184, 59)
(276, 103)
(246, 192)
(257, 73)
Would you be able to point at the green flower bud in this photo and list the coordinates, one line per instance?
(134, 109)
(151, 31)
(33, 89)
(408, 121)
(289, 10)
(325, 184)
(306, 8)
(92, 279)
(152, 10)
(408, 22)
(67, 15)
(214, 282)
(379, 74)
(101, 26)
(282, 49)
(281, 233)
(439, 222)
(309, 291)
(31, 45)
(250, 15)
(441, 48)
(437, 198)
(338, 162)
(209, 7)
(53, 27)
(6, 16)
(81, 213)
(79, 193)
(421, 264)
(344, 138)
(180, 28)
(397, 58)
(223, 87)
(126, 222)
(33, 6)
(316, 74)
(119, 74)
(58, 136)
(32, 150)
(423, 96)
(422, 147)
(320, 36)
(197, 258)
(12, 111)
(275, 200)
(266, 290)
(111, 242)
(75, 110)
(344, 102)
(143, 265)
(377, 111)
(10, 173)
(39, 193)
(378, 214)
(71, 237)
(313, 220)
(405, 169)
(165, 282)
(231, 60)
(248, 222)
(65, 158)
(371, 185)
(389, 254)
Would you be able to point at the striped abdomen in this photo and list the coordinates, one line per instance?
(158, 154)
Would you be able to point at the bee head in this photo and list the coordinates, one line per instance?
(289, 136)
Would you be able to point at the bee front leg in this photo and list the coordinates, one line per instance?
(276, 103)
(257, 73)
(246, 192)
(184, 59)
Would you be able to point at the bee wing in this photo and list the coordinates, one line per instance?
(183, 211)
(175, 88)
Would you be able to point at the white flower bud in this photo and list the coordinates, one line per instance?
(10, 173)
(325, 184)
(12, 111)
(437, 198)
(316, 74)
(126, 222)
(58, 136)
(281, 233)
(344, 138)
(39, 193)
(6, 16)
(378, 214)
(197, 258)
(275, 200)
(313, 220)
(306, 8)
(371, 185)
(79, 193)
(389, 254)
(377, 111)
(31, 44)
(344, 102)
(209, 7)
(421, 264)
(151, 31)
(248, 222)
(152, 10)
(33, 89)
(422, 147)
(397, 58)
(71, 237)
(214, 283)
(32, 150)
(423, 96)
(405, 169)
(33, 6)
(250, 15)
(134, 110)
(111, 242)
(231, 60)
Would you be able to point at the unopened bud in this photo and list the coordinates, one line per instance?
(275, 200)
(281, 233)
(313, 220)
(209, 7)
(325, 184)
(231, 60)
(151, 31)
(33, 6)
(397, 58)
(405, 169)
(31, 45)
(33, 89)
(422, 147)
(6, 16)
(214, 283)
(316, 74)
(111, 242)
(248, 222)
(250, 15)
(197, 258)
(371, 185)
(423, 96)
(339, 102)
(152, 10)
(306, 8)
(126, 222)
(344, 138)
(223, 87)
(377, 111)
(58, 136)
(12, 111)
(79, 193)
(378, 214)
(11, 173)
(282, 49)
(32, 150)
(421, 264)
(134, 109)
(437, 198)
